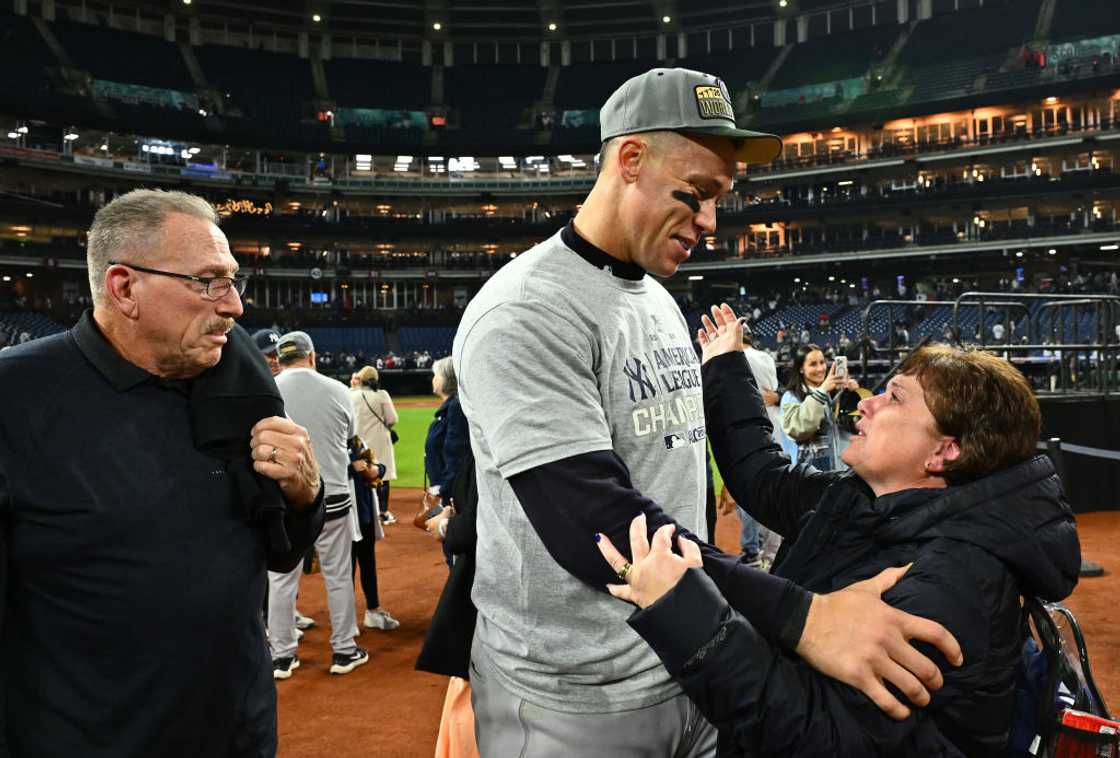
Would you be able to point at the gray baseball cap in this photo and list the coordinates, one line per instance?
(686, 101)
(295, 343)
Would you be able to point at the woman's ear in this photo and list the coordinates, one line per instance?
(948, 450)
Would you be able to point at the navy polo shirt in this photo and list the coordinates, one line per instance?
(132, 585)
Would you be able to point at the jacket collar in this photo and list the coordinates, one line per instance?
(119, 372)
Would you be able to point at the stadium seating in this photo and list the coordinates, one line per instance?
(378, 84)
(435, 339)
(337, 339)
(493, 96)
(122, 56)
(835, 57)
(1084, 18)
(272, 102)
(35, 324)
(588, 85)
(25, 59)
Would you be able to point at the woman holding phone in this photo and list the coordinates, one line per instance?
(807, 407)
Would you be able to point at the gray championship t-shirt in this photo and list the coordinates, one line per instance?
(321, 405)
(555, 358)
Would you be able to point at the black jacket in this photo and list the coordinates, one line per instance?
(975, 549)
(447, 645)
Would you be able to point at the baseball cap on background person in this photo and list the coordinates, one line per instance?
(266, 340)
(294, 344)
(685, 101)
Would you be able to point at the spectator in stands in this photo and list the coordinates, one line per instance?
(376, 415)
(321, 405)
(148, 540)
(807, 409)
(947, 487)
(575, 429)
(448, 438)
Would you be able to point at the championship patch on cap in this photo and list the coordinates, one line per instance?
(713, 102)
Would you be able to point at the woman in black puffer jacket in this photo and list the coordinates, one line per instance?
(944, 480)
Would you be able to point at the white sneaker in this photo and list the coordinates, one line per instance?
(303, 622)
(380, 619)
(388, 518)
(299, 634)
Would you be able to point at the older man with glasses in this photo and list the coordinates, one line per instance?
(148, 478)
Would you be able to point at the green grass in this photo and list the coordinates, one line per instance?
(413, 430)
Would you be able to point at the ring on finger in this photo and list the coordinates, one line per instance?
(274, 455)
(624, 571)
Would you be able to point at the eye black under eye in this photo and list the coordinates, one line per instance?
(688, 199)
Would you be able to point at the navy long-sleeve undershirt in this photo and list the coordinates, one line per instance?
(569, 500)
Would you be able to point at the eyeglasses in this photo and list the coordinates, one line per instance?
(216, 287)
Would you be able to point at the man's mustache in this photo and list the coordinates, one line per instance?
(224, 326)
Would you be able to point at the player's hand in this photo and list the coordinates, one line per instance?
(281, 450)
(853, 636)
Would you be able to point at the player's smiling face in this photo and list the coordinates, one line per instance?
(676, 204)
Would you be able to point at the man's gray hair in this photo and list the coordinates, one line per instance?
(444, 368)
(131, 225)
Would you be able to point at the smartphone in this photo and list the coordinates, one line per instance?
(841, 367)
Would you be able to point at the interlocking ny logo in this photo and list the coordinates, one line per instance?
(640, 380)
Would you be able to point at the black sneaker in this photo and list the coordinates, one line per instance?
(282, 668)
(344, 663)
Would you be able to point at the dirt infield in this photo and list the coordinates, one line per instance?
(387, 709)
(413, 401)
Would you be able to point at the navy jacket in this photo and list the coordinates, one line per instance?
(975, 549)
(447, 442)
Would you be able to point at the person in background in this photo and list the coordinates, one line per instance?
(323, 407)
(266, 340)
(448, 438)
(366, 472)
(758, 544)
(807, 408)
(375, 415)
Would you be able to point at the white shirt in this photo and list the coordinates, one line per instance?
(766, 376)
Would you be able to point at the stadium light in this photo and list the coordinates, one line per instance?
(30, 275)
(696, 278)
(7, 278)
(13, 135)
(22, 129)
(666, 19)
(316, 17)
(552, 26)
(1110, 247)
(1052, 251)
(437, 26)
(70, 136)
(782, 3)
(186, 2)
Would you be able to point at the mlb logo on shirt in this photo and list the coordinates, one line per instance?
(673, 441)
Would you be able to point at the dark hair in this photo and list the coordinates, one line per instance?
(795, 382)
(983, 402)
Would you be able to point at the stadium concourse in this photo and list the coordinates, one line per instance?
(388, 710)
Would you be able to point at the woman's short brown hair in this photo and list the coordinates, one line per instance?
(982, 401)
